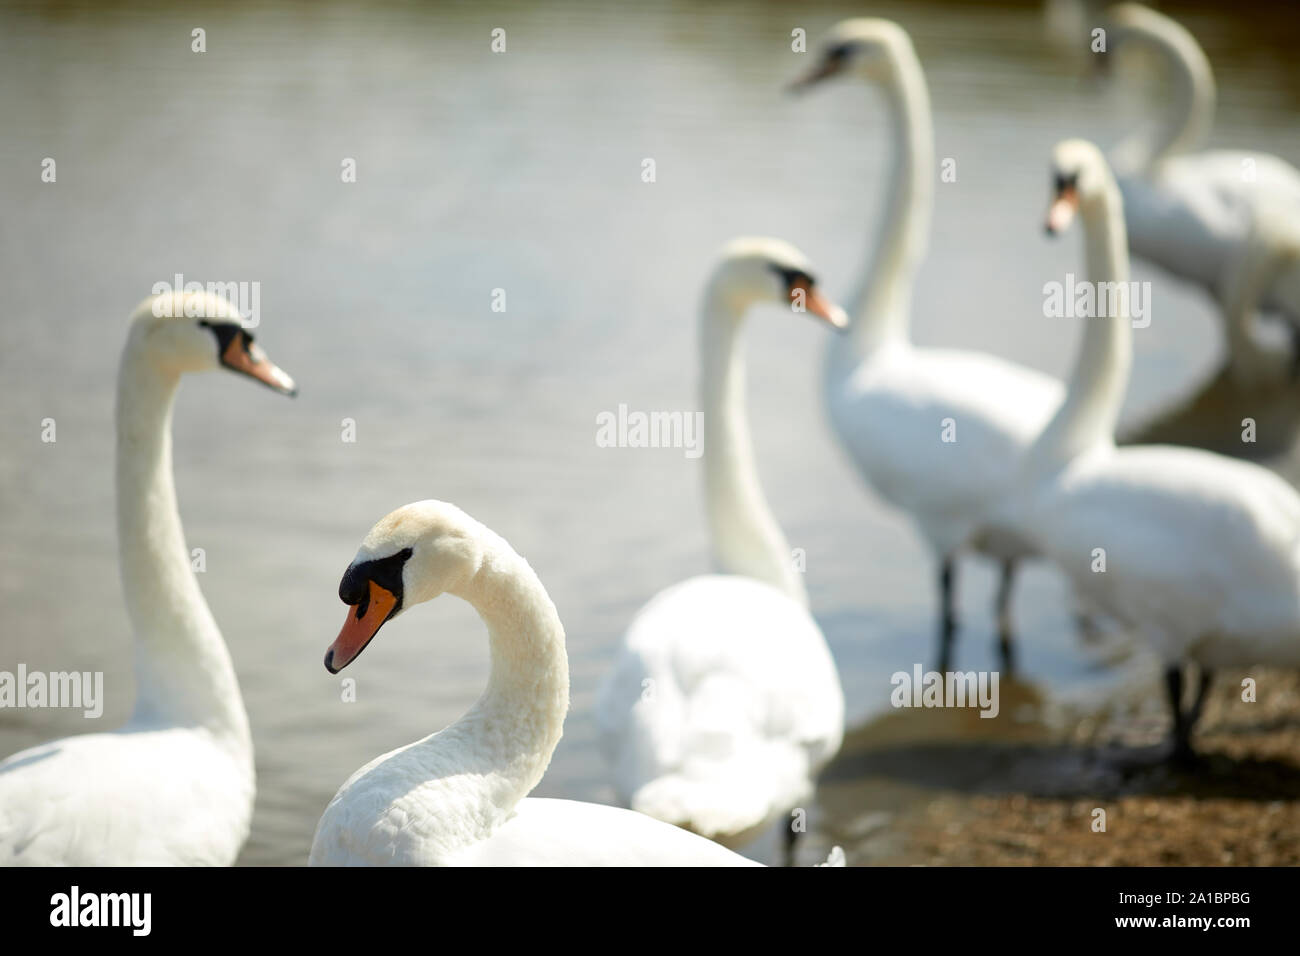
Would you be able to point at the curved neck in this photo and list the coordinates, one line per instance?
(880, 306)
(493, 756)
(745, 536)
(1188, 113)
(183, 671)
(1095, 394)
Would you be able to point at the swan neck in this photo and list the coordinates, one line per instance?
(880, 307)
(1095, 393)
(183, 670)
(1189, 111)
(745, 536)
(517, 722)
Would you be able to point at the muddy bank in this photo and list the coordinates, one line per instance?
(945, 788)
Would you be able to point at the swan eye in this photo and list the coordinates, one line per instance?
(354, 589)
(225, 333)
(1063, 182)
(839, 53)
(794, 277)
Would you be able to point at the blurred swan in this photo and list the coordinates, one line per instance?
(174, 787)
(724, 702)
(1199, 552)
(889, 401)
(1209, 215)
(459, 797)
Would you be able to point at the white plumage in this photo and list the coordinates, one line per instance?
(900, 399)
(1200, 553)
(722, 706)
(724, 702)
(459, 797)
(174, 796)
(1208, 216)
(891, 402)
(175, 785)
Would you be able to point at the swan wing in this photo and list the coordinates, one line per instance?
(892, 414)
(1197, 546)
(1193, 215)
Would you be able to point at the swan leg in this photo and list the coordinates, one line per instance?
(1182, 736)
(1085, 622)
(788, 844)
(947, 614)
(1294, 331)
(1202, 691)
(1006, 651)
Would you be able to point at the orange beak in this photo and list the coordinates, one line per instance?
(251, 360)
(805, 298)
(1061, 213)
(362, 623)
(826, 68)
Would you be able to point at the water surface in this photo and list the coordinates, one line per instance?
(518, 172)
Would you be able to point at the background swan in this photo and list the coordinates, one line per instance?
(889, 401)
(1209, 215)
(724, 702)
(175, 785)
(1202, 552)
(458, 797)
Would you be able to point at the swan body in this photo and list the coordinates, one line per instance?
(724, 702)
(1207, 216)
(722, 707)
(1195, 215)
(900, 397)
(164, 796)
(1201, 552)
(889, 401)
(459, 796)
(175, 785)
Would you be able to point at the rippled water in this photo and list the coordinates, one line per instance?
(522, 172)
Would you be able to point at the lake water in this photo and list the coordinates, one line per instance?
(522, 172)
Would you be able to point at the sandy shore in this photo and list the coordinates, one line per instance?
(940, 788)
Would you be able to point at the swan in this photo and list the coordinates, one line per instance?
(459, 796)
(1198, 552)
(890, 402)
(174, 786)
(1208, 215)
(724, 702)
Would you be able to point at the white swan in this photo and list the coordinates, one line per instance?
(1201, 552)
(891, 402)
(175, 785)
(724, 702)
(458, 797)
(1208, 216)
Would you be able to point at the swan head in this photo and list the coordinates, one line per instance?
(184, 332)
(1133, 21)
(865, 47)
(1081, 179)
(412, 555)
(754, 269)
